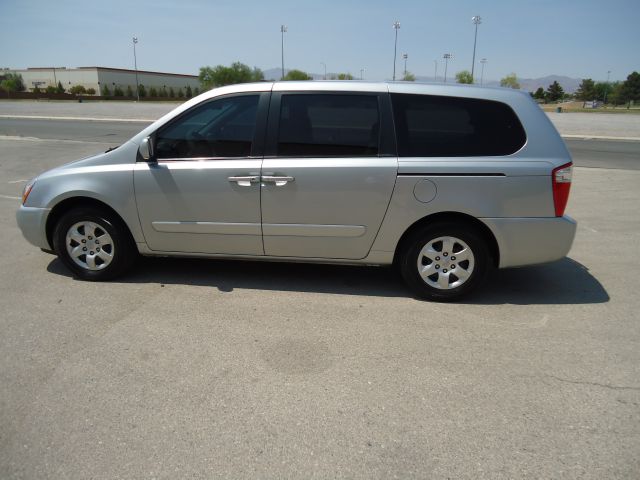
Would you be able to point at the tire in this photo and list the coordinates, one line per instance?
(445, 261)
(94, 244)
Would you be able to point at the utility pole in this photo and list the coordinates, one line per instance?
(405, 56)
(483, 62)
(435, 70)
(607, 89)
(447, 57)
(396, 27)
(135, 64)
(477, 21)
(325, 70)
(283, 30)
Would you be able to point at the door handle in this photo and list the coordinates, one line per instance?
(245, 181)
(279, 181)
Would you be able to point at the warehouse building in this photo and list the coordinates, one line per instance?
(99, 77)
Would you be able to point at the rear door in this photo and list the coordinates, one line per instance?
(328, 173)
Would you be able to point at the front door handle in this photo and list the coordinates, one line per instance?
(279, 181)
(245, 181)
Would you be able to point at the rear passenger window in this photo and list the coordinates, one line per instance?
(433, 126)
(325, 125)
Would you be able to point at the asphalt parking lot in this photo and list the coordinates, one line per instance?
(221, 369)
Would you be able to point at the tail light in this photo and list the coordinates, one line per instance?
(561, 181)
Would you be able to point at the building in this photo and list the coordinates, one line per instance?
(99, 77)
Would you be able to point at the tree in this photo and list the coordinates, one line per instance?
(408, 77)
(142, 91)
(464, 77)
(345, 76)
(297, 75)
(510, 81)
(129, 91)
(78, 90)
(163, 93)
(539, 94)
(586, 90)
(602, 91)
(172, 94)
(59, 88)
(555, 92)
(117, 92)
(630, 90)
(105, 91)
(614, 96)
(189, 92)
(180, 93)
(153, 92)
(196, 91)
(91, 91)
(221, 75)
(12, 83)
(51, 89)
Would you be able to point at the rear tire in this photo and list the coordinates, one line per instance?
(444, 261)
(94, 244)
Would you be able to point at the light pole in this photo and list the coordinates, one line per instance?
(396, 27)
(483, 62)
(447, 57)
(283, 30)
(325, 70)
(607, 89)
(405, 56)
(362, 74)
(476, 21)
(435, 70)
(135, 64)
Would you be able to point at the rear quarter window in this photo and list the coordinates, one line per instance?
(436, 126)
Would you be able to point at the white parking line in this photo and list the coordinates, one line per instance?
(89, 119)
(9, 197)
(17, 181)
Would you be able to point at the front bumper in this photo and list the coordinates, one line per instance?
(33, 221)
(529, 241)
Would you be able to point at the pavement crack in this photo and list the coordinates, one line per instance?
(595, 384)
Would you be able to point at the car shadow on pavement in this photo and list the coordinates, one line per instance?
(562, 282)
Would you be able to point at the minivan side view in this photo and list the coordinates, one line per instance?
(443, 181)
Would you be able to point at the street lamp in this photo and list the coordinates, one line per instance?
(135, 63)
(396, 27)
(405, 56)
(447, 57)
(435, 70)
(362, 74)
(325, 70)
(607, 89)
(483, 62)
(476, 21)
(283, 30)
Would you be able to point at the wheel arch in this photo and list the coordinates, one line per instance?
(451, 217)
(79, 201)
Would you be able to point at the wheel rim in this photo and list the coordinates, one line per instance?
(89, 246)
(445, 263)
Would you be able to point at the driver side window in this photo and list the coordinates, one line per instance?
(219, 128)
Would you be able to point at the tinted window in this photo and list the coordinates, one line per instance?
(431, 126)
(328, 125)
(220, 128)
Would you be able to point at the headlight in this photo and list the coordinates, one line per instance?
(27, 190)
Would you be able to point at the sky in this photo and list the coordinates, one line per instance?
(534, 38)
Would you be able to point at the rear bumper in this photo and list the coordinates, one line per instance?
(529, 241)
(32, 222)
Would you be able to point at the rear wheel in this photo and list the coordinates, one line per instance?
(93, 244)
(444, 262)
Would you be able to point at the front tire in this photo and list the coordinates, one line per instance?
(445, 261)
(94, 244)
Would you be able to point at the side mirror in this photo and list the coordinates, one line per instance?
(145, 150)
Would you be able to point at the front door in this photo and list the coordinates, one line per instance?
(328, 174)
(202, 195)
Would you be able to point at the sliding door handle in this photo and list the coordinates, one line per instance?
(279, 181)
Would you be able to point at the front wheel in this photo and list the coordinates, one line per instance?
(444, 262)
(93, 244)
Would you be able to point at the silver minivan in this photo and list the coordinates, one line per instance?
(443, 181)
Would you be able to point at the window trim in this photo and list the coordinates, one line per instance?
(257, 144)
(386, 142)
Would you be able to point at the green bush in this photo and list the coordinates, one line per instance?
(105, 91)
(91, 91)
(78, 89)
(36, 89)
(153, 92)
(117, 92)
(51, 89)
(129, 91)
(189, 91)
(180, 93)
(196, 91)
(59, 88)
(142, 91)
(172, 94)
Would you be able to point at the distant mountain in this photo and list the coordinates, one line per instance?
(568, 84)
